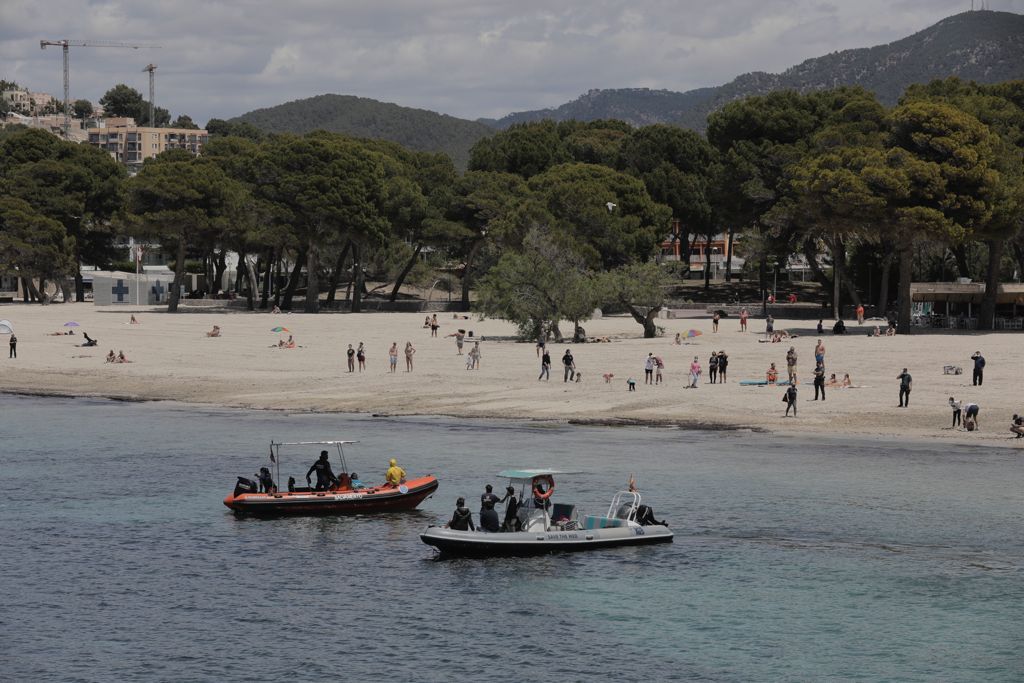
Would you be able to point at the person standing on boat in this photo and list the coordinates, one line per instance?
(325, 478)
(267, 484)
(395, 474)
(488, 496)
(512, 522)
(462, 519)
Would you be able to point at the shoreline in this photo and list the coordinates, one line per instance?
(174, 360)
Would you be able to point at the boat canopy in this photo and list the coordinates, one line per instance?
(530, 474)
(311, 443)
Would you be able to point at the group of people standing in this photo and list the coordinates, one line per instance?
(462, 518)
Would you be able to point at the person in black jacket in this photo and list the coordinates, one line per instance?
(325, 478)
(979, 368)
(462, 519)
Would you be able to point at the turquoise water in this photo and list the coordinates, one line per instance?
(794, 559)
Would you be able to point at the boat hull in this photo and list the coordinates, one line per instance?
(344, 502)
(452, 543)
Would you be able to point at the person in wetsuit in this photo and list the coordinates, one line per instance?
(512, 522)
(645, 516)
(325, 478)
(489, 518)
(267, 484)
(462, 519)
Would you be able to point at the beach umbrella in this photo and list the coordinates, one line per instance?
(71, 323)
(6, 327)
(279, 329)
(693, 333)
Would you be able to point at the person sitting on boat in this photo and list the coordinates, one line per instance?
(645, 516)
(462, 519)
(512, 522)
(489, 518)
(395, 474)
(267, 484)
(356, 484)
(325, 478)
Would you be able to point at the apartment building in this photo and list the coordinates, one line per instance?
(132, 144)
(31, 103)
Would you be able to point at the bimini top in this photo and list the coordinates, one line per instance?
(530, 474)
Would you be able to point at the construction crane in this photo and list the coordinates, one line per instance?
(151, 68)
(65, 44)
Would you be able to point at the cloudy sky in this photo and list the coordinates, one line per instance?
(468, 58)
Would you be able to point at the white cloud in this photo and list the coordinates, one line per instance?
(462, 57)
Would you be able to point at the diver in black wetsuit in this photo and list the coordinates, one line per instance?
(645, 516)
(462, 519)
(512, 522)
(267, 484)
(325, 478)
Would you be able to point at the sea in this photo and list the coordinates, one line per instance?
(795, 558)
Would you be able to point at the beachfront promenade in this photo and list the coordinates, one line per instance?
(173, 359)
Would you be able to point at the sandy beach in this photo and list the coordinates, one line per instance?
(173, 359)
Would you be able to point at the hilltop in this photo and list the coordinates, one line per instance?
(362, 117)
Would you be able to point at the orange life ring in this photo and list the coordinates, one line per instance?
(546, 478)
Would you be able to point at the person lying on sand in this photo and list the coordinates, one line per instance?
(60, 334)
(215, 332)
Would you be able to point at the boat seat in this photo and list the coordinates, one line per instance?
(599, 522)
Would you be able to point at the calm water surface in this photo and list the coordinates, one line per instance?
(794, 559)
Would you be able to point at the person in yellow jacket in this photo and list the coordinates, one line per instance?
(395, 474)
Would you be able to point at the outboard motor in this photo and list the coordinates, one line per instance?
(245, 486)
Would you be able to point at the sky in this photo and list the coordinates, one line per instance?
(467, 58)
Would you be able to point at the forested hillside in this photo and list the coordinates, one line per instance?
(361, 117)
(987, 47)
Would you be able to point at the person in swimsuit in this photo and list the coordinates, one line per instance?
(713, 367)
(714, 321)
(361, 357)
(649, 369)
(723, 366)
(847, 382)
(460, 339)
(819, 353)
(393, 356)
(433, 325)
(791, 364)
(409, 353)
(772, 376)
(659, 365)
(351, 356)
(743, 320)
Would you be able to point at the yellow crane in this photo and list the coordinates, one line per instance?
(65, 44)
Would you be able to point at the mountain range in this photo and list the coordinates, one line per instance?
(983, 46)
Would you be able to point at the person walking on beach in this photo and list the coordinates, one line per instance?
(393, 356)
(743, 320)
(460, 339)
(956, 406)
(569, 366)
(545, 367)
(361, 357)
(409, 353)
(860, 314)
(474, 357)
(723, 365)
(351, 355)
(714, 321)
(695, 373)
(713, 367)
(659, 365)
(649, 369)
(979, 368)
(14, 346)
(819, 353)
(433, 325)
(819, 380)
(791, 364)
(906, 383)
(790, 398)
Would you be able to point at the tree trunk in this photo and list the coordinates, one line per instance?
(43, 299)
(293, 281)
(987, 314)
(469, 266)
(405, 272)
(647, 320)
(179, 277)
(762, 277)
(707, 265)
(906, 275)
(339, 266)
(276, 285)
(31, 293)
(220, 268)
(312, 280)
(251, 272)
(267, 282)
(883, 284)
(960, 254)
(79, 285)
(357, 280)
(811, 254)
(728, 256)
